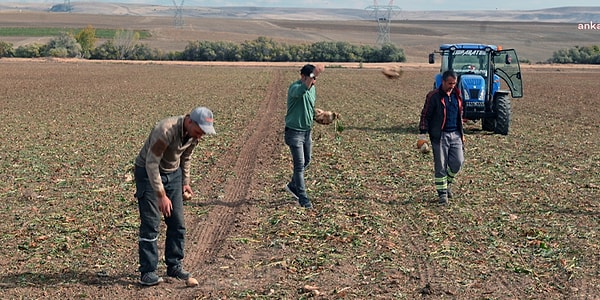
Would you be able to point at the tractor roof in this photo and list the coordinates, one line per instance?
(465, 46)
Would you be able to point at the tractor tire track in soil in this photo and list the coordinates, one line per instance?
(423, 272)
(209, 232)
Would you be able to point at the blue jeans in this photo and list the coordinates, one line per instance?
(300, 144)
(150, 220)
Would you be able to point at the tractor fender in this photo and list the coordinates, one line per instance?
(496, 85)
(498, 93)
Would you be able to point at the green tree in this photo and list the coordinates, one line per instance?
(87, 39)
(390, 53)
(106, 50)
(125, 41)
(6, 49)
(299, 52)
(561, 56)
(227, 51)
(577, 55)
(324, 51)
(64, 45)
(30, 51)
(144, 52)
(260, 49)
(199, 51)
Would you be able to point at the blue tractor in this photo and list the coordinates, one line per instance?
(479, 69)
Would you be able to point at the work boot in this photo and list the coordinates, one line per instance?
(150, 279)
(306, 204)
(292, 191)
(178, 272)
(449, 192)
(443, 199)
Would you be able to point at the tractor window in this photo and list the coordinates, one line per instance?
(503, 60)
(465, 61)
(507, 67)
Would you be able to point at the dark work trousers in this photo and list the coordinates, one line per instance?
(150, 220)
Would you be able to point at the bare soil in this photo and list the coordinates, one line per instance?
(524, 224)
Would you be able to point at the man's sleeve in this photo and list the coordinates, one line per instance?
(158, 145)
(426, 113)
(185, 164)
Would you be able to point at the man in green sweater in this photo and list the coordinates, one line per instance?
(298, 123)
(162, 174)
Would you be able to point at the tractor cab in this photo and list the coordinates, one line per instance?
(479, 69)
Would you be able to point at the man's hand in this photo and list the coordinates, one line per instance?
(165, 206)
(187, 193)
(319, 68)
(423, 144)
(309, 81)
(421, 139)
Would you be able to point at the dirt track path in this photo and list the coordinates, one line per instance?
(207, 234)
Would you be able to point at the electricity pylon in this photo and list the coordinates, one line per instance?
(383, 15)
(67, 5)
(178, 21)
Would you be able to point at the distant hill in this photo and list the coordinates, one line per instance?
(559, 14)
(555, 15)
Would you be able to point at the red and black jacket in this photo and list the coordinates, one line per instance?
(433, 115)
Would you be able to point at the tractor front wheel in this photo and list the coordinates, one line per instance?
(488, 124)
(502, 108)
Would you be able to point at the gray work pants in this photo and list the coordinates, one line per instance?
(448, 156)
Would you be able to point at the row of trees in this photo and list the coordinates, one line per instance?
(577, 55)
(125, 46)
(265, 49)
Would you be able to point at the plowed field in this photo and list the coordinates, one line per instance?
(524, 223)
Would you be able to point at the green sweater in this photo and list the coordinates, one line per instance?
(300, 106)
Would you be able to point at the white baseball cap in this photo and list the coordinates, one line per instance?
(204, 118)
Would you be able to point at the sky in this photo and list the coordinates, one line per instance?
(403, 5)
(357, 4)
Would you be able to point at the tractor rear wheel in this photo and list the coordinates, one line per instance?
(502, 105)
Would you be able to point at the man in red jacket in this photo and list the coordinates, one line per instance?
(441, 118)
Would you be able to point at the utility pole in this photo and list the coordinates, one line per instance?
(178, 21)
(383, 15)
(67, 5)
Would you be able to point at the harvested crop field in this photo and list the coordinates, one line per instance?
(523, 225)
